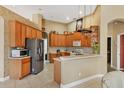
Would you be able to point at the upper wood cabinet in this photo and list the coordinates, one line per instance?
(57, 40)
(34, 33)
(39, 34)
(28, 32)
(77, 36)
(23, 36)
(17, 34)
(66, 40)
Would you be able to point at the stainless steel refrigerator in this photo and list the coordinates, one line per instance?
(35, 47)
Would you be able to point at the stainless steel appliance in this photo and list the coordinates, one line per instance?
(15, 52)
(35, 47)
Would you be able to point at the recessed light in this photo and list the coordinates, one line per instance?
(67, 18)
(80, 12)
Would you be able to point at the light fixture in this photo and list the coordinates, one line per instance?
(80, 12)
(67, 18)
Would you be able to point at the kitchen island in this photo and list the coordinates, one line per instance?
(73, 70)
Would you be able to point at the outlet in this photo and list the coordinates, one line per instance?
(79, 74)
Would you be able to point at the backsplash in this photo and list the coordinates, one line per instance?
(70, 49)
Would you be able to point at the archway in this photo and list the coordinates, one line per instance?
(116, 32)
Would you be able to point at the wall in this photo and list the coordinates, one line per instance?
(77, 69)
(1, 47)
(58, 27)
(55, 26)
(92, 19)
(115, 28)
(108, 14)
(9, 15)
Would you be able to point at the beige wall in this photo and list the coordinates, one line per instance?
(108, 14)
(9, 15)
(73, 70)
(93, 19)
(1, 47)
(55, 26)
(114, 30)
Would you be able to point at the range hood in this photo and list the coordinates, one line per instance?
(85, 31)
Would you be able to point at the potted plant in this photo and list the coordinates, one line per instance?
(95, 48)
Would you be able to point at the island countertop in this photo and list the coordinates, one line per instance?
(74, 57)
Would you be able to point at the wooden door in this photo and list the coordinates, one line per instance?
(23, 35)
(18, 34)
(28, 32)
(122, 51)
(39, 34)
(77, 36)
(25, 66)
(34, 33)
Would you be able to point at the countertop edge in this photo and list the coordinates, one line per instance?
(76, 57)
(19, 57)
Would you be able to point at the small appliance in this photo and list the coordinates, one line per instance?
(77, 43)
(19, 52)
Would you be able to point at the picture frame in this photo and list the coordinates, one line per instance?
(79, 24)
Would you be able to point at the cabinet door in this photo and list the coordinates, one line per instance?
(25, 66)
(18, 34)
(23, 35)
(39, 34)
(28, 32)
(77, 36)
(34, 33)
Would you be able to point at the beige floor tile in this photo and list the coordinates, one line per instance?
(44, 79)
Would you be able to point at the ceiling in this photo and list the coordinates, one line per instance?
(59, 13)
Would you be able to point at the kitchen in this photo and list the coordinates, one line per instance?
(67, 42)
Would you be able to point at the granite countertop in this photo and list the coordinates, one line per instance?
(19, 57)
(74, 57)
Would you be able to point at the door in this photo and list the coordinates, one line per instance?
(37, 63)
(122, 51)
(109, 50)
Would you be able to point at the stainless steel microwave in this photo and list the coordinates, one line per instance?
(19, 52)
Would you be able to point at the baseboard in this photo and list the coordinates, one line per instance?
(4, 79)
(75, 83)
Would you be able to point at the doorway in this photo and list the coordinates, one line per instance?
(109, 54)
(109, 50)
(120, 51)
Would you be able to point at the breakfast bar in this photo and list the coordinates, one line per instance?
(70, 70)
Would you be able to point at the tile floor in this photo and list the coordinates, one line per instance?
(44, 80)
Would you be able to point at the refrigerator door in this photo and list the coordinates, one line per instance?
(34, 45)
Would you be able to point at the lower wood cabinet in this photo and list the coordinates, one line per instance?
(19, 68)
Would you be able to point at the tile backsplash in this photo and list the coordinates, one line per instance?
(70, 49)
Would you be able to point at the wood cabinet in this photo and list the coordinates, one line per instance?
(34, 33)
(77, 36)
(19, 68)
(23, 36)
(17, 34)
(66, 40)
(39, 34)
(69, 40)
(28, 32)
(57, 72)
